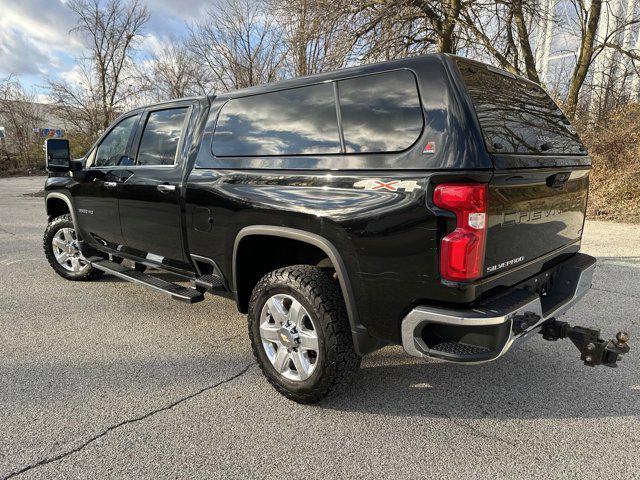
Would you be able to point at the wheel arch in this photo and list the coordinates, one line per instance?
(362, 341)
(55, 203)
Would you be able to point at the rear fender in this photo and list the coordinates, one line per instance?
(363, 342)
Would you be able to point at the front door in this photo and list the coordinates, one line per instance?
(150, 211)
(96, 193)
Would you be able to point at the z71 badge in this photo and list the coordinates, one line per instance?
(387, 185)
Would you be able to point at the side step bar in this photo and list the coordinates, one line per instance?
(178, 292)
(209, 283)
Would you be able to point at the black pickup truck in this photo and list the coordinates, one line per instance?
(432, 202)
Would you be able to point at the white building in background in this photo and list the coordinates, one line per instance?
(557, 46)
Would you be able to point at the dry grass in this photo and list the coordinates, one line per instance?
(615, 179)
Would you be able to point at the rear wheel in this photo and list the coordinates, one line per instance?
(300, 333)
(61, 248)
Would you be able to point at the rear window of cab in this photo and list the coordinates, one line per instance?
(377, 113)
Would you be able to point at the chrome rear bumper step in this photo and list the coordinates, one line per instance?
(177, 292)
(488, 331)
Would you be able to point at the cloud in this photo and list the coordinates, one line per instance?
(33, 35)
(18, 54)
(35, 38)
(185, 10)
(73, 75)
(154, 45)
(46, 23)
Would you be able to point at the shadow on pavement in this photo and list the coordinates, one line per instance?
(525, 384)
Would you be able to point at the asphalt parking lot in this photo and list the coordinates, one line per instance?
(108, 379)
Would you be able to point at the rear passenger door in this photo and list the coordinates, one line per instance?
(150, 207)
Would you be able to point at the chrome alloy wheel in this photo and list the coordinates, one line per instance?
(67, 252)
(289, 337)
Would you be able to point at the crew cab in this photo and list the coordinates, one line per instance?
(433, 202)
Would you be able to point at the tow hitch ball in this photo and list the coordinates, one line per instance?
(593, 350)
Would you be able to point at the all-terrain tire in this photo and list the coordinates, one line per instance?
(320, 295)
(58, 223)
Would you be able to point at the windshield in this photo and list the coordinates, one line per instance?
(517, 116)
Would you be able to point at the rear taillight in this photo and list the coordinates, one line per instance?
(462, 251)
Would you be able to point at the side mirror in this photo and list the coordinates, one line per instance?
(57, 155)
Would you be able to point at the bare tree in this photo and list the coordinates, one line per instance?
(20, 115)
(502, 29)
(111, 31)
(315, 35)
(238, 44)
(173, 73)
(444, 15)
(79, 103)
(589, 21)
(386, 29)
(597, 34)
(522, 8)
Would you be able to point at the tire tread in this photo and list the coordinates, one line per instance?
(341, 362)
(52, 227)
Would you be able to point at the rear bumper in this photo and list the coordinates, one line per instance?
(487, 331)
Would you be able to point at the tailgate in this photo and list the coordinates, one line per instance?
(533, 212)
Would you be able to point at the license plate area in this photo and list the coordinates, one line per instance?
(555, 286)
(542, 284)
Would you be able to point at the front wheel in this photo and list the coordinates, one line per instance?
(300, 333)
(61, 248)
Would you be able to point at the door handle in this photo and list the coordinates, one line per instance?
(164, 188)
(110, 184)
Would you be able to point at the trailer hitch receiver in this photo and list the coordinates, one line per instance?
(593, 350)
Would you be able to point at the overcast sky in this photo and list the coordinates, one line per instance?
(35, 41)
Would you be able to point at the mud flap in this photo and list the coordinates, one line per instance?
(593, 349)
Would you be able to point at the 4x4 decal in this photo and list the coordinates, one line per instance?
(387, 185)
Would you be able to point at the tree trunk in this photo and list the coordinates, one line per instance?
(443, 24)
(446, 40)
(523, 40)
(585, 58)
(446, 43)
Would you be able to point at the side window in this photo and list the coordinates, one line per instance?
(381, 112)
(298, 121)
(161, 136)
(112, 151)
